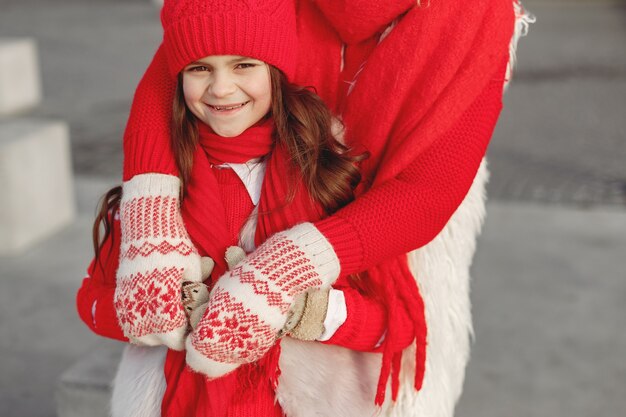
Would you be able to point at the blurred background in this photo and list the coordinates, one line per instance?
(549, 278)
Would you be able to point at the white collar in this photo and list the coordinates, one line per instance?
(251, 174)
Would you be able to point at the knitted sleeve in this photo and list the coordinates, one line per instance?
(366, 323)
(147, 137)
(408, 211)
(94, 300)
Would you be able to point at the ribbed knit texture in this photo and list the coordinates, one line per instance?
(367, 323)
(255, 142)
(147, 146)
(265, 30)
(236, 200)
(365, 17)
(360, 232)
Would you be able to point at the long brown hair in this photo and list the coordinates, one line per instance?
(303, 124)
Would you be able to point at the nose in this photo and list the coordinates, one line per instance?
(221, 85)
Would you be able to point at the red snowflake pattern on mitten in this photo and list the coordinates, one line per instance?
(149, 303)
(228, 333)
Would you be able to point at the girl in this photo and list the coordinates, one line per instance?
(426, 140)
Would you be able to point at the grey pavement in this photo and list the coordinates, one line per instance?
(549, 292)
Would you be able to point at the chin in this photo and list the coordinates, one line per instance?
(228, 133)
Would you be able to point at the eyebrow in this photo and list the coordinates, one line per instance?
(232, 61)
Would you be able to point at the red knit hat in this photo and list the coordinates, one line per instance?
(260, 29)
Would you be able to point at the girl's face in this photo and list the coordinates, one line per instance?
(229, 93)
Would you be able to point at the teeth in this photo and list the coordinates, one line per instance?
(229, 108)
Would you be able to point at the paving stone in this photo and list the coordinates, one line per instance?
(20, 85)
(35, 181)
(85, 388)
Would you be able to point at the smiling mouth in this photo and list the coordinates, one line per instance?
(227, 108)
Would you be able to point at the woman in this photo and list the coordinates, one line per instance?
(426, 137)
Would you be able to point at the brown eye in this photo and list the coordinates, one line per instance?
(198, 68)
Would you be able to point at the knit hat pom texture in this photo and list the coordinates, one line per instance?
(260, 29)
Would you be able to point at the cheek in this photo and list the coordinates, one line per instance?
(192, 90)
(262, 93)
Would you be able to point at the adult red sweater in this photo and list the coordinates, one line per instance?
(411, 209)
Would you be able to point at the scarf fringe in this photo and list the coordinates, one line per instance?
(399, 284)
(249, 375)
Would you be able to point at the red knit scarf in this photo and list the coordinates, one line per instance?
(189, 393)
(256, 141)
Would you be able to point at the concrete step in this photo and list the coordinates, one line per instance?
(36, 187)
(20, 81)
(85, 388)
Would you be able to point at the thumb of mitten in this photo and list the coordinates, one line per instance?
(192, 268)
(206, 266)
(196, 315)
(234, 255)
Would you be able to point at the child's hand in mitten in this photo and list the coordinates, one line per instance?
(196, 294)
(156, 256)
(249, 305)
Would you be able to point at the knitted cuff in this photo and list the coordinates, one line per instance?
(148, 151)
(317, 249)
(153, 233)
(345, 240)
(151, 185)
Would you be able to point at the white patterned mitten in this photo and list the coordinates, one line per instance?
(250, 304)
(156, 256)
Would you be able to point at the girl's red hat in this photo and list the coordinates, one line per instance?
(260, 29)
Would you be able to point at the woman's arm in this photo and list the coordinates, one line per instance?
(408, 211)
(147, 136)
(94, 300)
(404, 214)
(365, 325)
